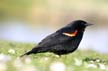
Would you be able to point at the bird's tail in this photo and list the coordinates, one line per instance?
(27, 53)
(34, 50)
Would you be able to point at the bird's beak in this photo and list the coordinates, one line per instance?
(88, 24)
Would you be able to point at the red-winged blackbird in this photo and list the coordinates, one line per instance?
(63, 41)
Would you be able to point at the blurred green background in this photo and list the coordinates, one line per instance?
(32, 20)
(52, 12)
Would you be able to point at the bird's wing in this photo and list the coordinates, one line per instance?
(57, 38)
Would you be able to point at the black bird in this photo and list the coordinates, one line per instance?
(63, 41)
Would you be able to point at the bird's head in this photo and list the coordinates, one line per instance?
(80, 25)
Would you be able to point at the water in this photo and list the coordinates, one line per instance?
(96, 40)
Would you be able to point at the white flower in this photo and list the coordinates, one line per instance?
(17, 63)
(27, 60)
(3, 67)
(28, 68)
(91, 66)
(91, 61)
(98, 60)
(57, 56)
(102, 66)
(20, 66)
(4, 58)
(46, 58)
(57, 66)
(78, 62)
(11, 51)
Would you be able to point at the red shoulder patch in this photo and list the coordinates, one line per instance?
(71, 34)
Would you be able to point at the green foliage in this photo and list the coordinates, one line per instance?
(77, 61)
